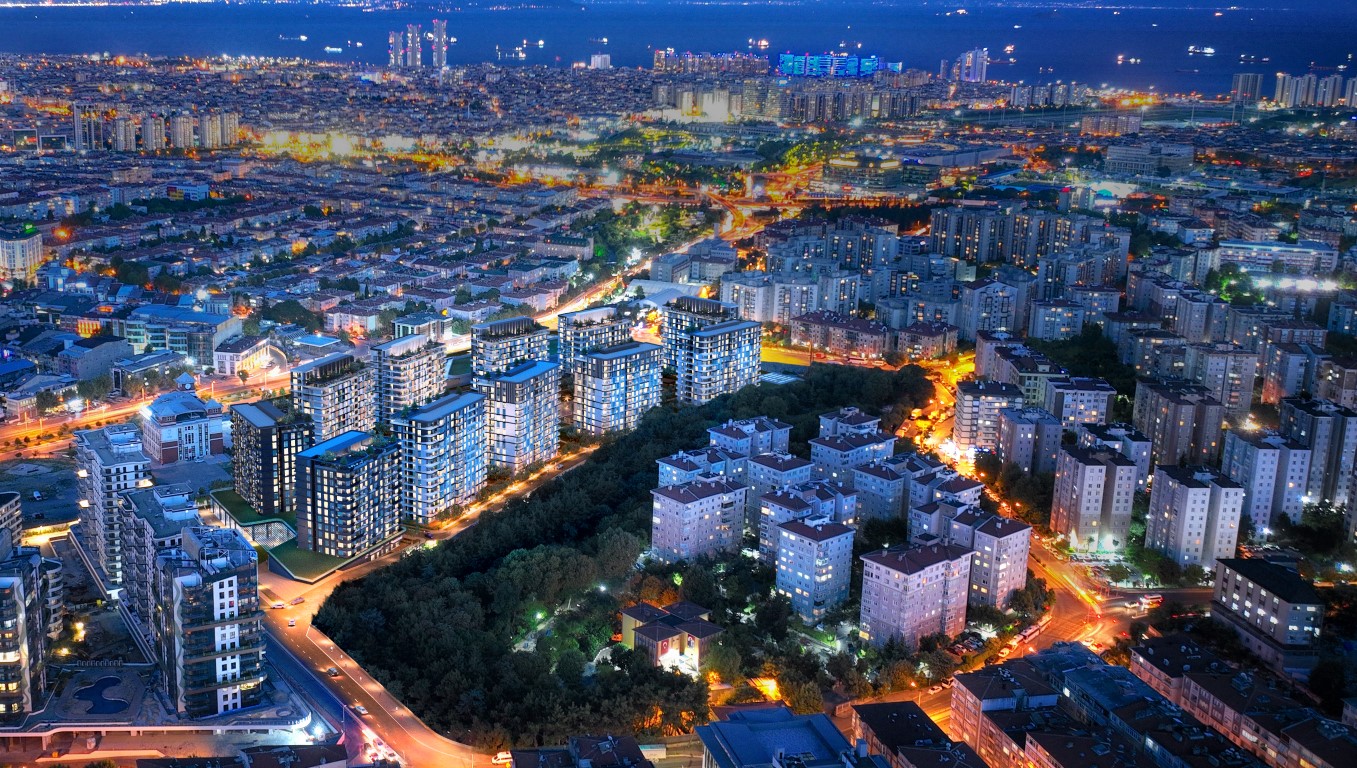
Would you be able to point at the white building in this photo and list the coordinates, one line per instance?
(911, 592)
(615, 386)
(976, 424)
(20, 253)
(814, 566)
(695, 519)
(1194, 515)
(1093, 496)
(407, 372)
(582, 332)
(831, 501)
(179, 426)
(1000, 544)
(109, 461)
(1029, 438)
(1273, 471)
(1228, 373)
(752, 436)
(336, 391)
(716, 360)
(1124, 439)
(1330, 432)
(1304, 258)
(1080, 400)
(523, 414)
(443, 456)
(1056, 320)
(499, 345)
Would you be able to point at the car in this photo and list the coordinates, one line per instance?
(292, 622)
(276, 606)
(37, 495)
(332, 671)
(1086, 643)
(360, 709)
(502, 758)
(934, 688)
(949, 682)
(298, 600)
(428, 534)
(1003, 652)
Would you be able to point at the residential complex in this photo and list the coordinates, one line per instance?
(523, 415)
(703, 517)
(1194, 515)
(1092, 502)
(348, 494)
(814, 566)
(407, 372)
(443, 456)
(336, 391)
(911, 592)
(615, 386)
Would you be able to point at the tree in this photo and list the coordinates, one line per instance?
(1118, 573)
(723, 661)
(244, 375)
(805, 699)
(46, 401)
(95, 389)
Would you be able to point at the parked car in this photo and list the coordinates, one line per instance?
(502, 758)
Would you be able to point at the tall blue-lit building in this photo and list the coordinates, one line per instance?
(827, 65)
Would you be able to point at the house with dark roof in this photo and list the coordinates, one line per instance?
(677, 636)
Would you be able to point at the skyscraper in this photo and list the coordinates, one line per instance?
(181, 131)
(153, 133)
(414, 46)
(973, 66)
(407, 372)
(395, 49)
(1246, 88)
(524, 422)
(439, 53)
(711, 350)
(124, 134)
(89, 126)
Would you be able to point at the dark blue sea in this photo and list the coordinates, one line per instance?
(1047, 44)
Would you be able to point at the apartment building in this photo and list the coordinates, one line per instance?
(1092, 502)
(715, 360)
(1194, 515)
(1183, 421)
(32, 611)
(1080, 400)
(1273, 471)
(109, 461)
(768, 472)
(1226, 371)
(615, 386)
(591, 329)
(911, 592)
(695, 519)
(523, 414)
(209, 629)
(499, 345)
(1276, 614)
(814, 566)
(1000, 544)
(1330, 432)
(336, 391)
(702, 464)
(976, 424)
(1029, 438)
(266, 440)
(443, 456)
(1124, 439)
(820, 499)
(348, 494)
(406, 372)
(152, 520)
(752, 436)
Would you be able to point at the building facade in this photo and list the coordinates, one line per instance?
(336, 391)
(443, 456)
(615, 386)
(911, 592)
(348, 494)
(266, 440)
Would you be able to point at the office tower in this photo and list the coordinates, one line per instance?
(1194, 515)
(439, 53)
(697, 519)
(153, 133)
(1000, 546)
(414, 46)
(210, 629)
(1273, 471)
(31, 612)
(587, 330)
(1246, 88)
(973, 66)
(336, 391)
(1182, 420)
(1091, 503)
(976, 423)
(814, 566)
(180, 426)
(20, 253)
(1330, 432)
(348, 494)
(524, 414)
(267, 437)
(499, 345)
(181, 131)
(395, 48)
(88, 123)
(124, 134)
(912, 592)
(1029, 438)
(109, 461)
(443, 456)
(151, 520)
(615, 386)
(406, 372)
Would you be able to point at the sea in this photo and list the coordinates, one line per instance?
(1118, 44)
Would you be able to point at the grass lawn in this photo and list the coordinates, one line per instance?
(244, 514)
(304, 564)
